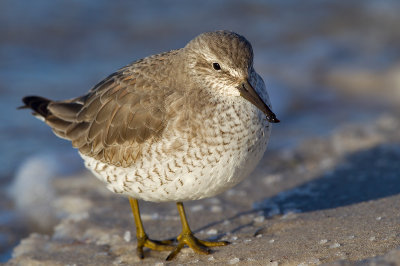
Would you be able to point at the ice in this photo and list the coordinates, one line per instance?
(212, 232)
(334, 245)
(213, 201)
(127, 236)
(32, 190)
(216, 209)
(234, 261)
(226, 222)
(197, 208)
(259, 219)
(290, 214)
(272, 179)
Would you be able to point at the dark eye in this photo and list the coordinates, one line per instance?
(216, 66)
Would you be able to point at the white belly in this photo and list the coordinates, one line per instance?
(199, 168)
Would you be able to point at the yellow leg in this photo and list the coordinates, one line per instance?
(187, 237)
(142, 238)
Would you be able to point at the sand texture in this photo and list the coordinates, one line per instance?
(332, 200)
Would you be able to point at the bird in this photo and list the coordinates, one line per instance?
(172, 127)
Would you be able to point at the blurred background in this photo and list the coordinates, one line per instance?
(326, 63)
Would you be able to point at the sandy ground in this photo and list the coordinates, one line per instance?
(332, 200)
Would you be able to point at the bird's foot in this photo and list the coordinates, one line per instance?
(199, 246)
(144, 241)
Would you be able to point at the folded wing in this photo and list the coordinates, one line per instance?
(113, 121)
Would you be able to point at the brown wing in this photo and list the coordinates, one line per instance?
(114, 120)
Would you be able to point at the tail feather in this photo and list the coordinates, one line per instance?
(37, 104)
(58, 115)
(66, 111)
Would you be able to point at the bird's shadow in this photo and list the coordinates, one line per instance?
(362, 176)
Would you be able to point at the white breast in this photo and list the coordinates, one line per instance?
(230, 143)
(198, 169)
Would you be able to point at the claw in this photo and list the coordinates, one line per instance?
(199, 246)
(175, 252)
(187, 238)
(164, 245)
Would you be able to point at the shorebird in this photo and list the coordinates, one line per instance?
(177, 126)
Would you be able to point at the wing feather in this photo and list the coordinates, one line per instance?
(117, 117)
(116, 120)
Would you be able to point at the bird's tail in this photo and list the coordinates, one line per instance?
(38, 105)
(59, 115)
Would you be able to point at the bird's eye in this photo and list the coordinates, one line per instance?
(216, 66)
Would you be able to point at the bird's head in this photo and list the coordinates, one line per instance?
(223, 62)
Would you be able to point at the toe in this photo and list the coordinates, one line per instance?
(139, 252)
(214, 244)
(159, 245)
(173, 254)
(197, 245)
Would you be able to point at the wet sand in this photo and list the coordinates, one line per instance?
(321, 202)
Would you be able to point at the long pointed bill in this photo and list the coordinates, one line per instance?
(248, 92)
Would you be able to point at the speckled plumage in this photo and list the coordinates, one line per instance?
(170, 127)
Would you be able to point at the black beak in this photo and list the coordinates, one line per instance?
(248, 92)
